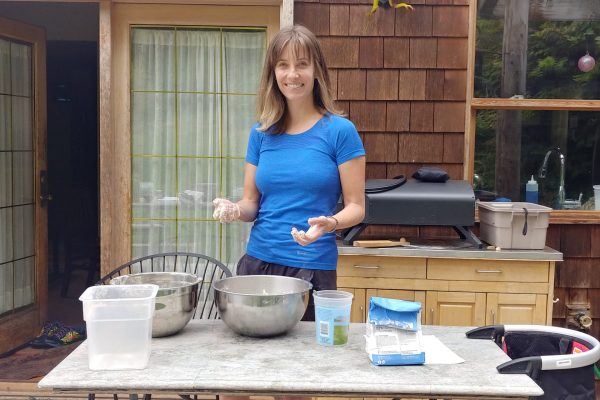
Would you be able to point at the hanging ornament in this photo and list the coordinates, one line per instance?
(586, 63)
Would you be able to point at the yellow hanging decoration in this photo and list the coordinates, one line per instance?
(391, 3)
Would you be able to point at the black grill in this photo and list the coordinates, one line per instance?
(451, 203)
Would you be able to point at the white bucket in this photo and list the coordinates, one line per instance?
(332, 316)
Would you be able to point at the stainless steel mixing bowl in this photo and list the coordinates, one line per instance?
(176, 299)
(261, 305)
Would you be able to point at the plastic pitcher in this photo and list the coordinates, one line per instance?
(332, 316)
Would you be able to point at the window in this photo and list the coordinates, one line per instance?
(532, 99)
(17, 206)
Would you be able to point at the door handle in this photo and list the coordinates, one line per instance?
(45, 197)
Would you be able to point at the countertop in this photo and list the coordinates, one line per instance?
(207, 357)
(433, 251)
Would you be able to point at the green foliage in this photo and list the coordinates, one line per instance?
(554, 47)
(553, 50)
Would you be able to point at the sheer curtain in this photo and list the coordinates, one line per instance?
(193, 97)
(17, 252)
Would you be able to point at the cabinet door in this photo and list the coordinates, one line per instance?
(357, 312)
(516, 308)
(409, 295)
(455, 308)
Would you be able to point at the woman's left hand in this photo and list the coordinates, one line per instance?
(318, 227)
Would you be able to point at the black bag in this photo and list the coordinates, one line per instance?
(431, 174)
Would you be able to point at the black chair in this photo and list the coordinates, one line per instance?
(200, 265)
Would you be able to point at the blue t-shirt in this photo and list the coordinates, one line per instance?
(298, 178)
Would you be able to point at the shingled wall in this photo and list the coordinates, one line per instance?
(401, 77)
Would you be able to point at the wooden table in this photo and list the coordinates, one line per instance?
(207, 357)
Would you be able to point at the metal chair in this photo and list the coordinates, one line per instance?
(208, 268)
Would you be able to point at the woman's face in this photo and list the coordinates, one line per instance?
(295, 75)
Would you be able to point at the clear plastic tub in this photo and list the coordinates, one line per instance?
(119, 325)
(332, 316)
(513, 225)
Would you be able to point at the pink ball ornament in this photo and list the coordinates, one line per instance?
(586, 63)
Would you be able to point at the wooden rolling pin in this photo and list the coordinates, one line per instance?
(381, 243)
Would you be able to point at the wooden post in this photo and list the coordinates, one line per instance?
(514, 73)
(106, 133)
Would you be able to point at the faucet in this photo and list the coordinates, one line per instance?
(544, 170)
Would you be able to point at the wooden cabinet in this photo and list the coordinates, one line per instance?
(454, 308)
(453, 291)
(516, 308)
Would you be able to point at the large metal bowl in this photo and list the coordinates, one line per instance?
(261, 305)
(176, 299)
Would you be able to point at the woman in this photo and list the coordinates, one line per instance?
(301, 156)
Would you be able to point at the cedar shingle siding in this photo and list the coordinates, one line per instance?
(400, 75)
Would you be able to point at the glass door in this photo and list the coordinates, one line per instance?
(23, 216)
(193, 93)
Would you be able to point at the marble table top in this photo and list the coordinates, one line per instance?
(207, 357)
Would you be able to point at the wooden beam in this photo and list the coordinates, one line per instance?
(470, 113)
(513, 82)
(535, 104)
(286, 13)
(106, 132)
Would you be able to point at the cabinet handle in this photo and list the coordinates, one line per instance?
(366, 266)
(493, 316)
(431, 313)
(489, 271)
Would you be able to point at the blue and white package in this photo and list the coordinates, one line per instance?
(394, 332)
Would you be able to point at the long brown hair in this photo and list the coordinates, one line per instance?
(271, 108)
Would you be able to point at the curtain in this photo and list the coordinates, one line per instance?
(17, 250)
(193, 98)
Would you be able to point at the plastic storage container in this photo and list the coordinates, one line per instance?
(332, 316)
(119, 325)
(516, 225)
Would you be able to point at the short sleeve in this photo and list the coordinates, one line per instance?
(253, 150)
(348, 144)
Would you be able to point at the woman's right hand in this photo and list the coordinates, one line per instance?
(226, 211)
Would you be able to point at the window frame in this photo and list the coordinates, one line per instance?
(473, 104)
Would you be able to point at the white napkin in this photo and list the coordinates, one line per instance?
(436, 352)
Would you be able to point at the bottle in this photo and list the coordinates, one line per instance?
(531, 191)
